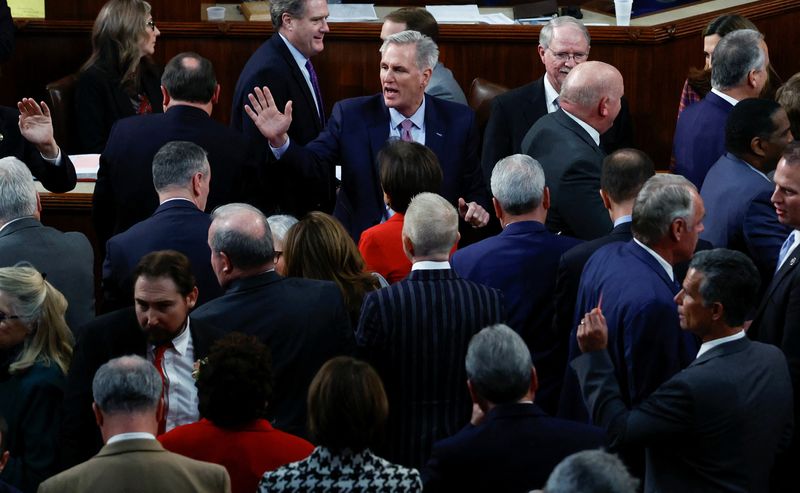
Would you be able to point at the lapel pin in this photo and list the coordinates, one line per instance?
(1, 137)
(437, 133)
(792, 261)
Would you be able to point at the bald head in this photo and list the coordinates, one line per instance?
(240, 242)
(592, 92)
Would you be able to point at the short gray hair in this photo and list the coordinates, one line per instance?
(735, 56)
(518, 183)
(176, 163)
(591, 471)
(17, 190)
(431, 223)
(427, 51)
(243, 233)
(499, 364)
(663, 199)
(279, 224)
(128, 384)
(546, 34)
(295, 8)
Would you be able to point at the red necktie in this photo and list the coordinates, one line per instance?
(158, 362)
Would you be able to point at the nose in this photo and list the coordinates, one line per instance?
(158, 33)
(570, 62)
(679, 297)
(324, 27)
(775, 199)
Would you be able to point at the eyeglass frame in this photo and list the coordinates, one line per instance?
(4, 317)
(564, 56)
(151, 24)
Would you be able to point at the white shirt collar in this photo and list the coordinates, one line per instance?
(13, 221)
(666, 265)
(134, 435)
(550, 95)
(181, 342)
(430, 265)
(623, 220)
(725, 96)
(758, 171)
(796, 235)
(594, 134)
(716, 342)
(177, 198)
(418, 118)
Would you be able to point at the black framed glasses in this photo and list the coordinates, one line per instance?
(152, 25)
(4, 317)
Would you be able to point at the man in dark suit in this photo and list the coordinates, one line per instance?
(127, 406)
(65, 259)
(415, 333)
(124, 193)
(738, 71)
(511, 444)
(283, 63)
(181, 176)
(737, 192)
(303, 321)
(360, 127)
(157, 328)
(564, 42)
(521, 262)
(717, 425)
(567, 144)
(27, 134)
(778, 316)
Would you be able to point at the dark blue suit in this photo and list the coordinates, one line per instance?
(515, 449)
(176, 225)
(415, 333)
(739, 213)
(700, 137)
(359, 128)
(521, 262)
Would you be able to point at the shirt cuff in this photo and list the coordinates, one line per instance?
(53, 160)
(280, 151)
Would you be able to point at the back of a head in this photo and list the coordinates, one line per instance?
(17, 190)
(788, 96)
(347, 405)
(127, 385)
(416, 19)
(734, 57)
(176, 163)
(408, 169)
(750, 118)
(170, 264)
(431, 223)
(116, 35)
(318, 247)
(546, 33)
(591, 471)
(427, 53)
(518, 184)
(663, 199)
(624, 173)
(499, 365)
(727, 23)
(234, 383)
(589, 81)
(729, 278)
(242, 232)
(189, 77)
(279, 225)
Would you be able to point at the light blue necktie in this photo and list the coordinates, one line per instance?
(787, 245)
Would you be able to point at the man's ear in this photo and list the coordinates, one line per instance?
(756, 147)
(677, 229)
(98, 414)
(606, 199)
(165, 97)
(4, 458)
(215, 97)
(197, 184)
(191, 299)
(498, 211)
(546, 198)
(602, 107)
(408, 247)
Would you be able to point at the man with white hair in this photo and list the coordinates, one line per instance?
(567, 144)
(415, 333)
(359, 128)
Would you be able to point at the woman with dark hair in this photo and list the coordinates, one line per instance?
(406, 169)
(318, 247)
(234, 385)
(347, 410)
(119, 79)
(35, 353)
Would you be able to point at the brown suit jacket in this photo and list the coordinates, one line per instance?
(140, 465)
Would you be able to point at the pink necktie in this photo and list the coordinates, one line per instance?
(405, 132)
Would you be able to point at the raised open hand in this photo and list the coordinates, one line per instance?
(36, 126)
(268, 119)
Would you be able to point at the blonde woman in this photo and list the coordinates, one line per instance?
(35, 352)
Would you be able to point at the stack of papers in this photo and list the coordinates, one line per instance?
(351, 12)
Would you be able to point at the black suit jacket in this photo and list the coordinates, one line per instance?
(572, 163)
(304, 323)
(715, 426)
(57, 179)
(107, 337)
(515, 112)
(124, 192)
(272, 65)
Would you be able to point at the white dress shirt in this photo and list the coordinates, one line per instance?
(550, 95)
(716, 342)
(594, 134)
(181, 394)
(418, 118)
(666, 265)
(430, 265)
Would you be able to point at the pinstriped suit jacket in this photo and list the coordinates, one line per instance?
(416, 334)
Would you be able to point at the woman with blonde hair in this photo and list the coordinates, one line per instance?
(35, 352)
(119, 79)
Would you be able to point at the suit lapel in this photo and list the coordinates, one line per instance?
(648, 259)
(434, 129)
(564, 120)
(378, 122)
(536, 106)
(297, 75)
(787, 267)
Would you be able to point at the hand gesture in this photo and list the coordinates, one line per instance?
(473, 213)
(36, 126)
(268, 119)
(593, 332)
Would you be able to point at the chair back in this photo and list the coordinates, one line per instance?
(62, 109)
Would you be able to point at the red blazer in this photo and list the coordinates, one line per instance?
(382, 249)
(246, 452)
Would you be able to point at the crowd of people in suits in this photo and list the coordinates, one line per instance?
(266, 324)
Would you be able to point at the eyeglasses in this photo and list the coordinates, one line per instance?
(563, 57)
(4, 317)
(151, 25)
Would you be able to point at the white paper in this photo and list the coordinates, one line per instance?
(455, 13)
(351, 12)
(86, 165)
(497, 18)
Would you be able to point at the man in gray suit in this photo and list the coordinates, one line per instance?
(65, 258)
(718, 424)
(127, 406)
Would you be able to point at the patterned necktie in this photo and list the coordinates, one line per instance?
(158, 362)
(405, 130)
(317, 94)
(787, 245)
(556, 105)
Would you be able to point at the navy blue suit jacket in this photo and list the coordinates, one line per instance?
(645, 340)
(415, 333)
(359, 128)
(176, 225)
(739, 213)
(700, 137)
(514, 449)
(521, 262)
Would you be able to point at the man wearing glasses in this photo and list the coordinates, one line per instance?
(563, 43)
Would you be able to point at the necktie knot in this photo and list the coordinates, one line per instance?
(556, 104)
(785, 248)
(405, 130)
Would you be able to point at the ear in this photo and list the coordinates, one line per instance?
(215, 97)
(677, 229)
(191, 299)
(4, 460)
(426, 77)
(541, 51)
(458, 238)
(98, 414)
(165, 96)
(602, 107)
(756, 146)
(227, 266)
(286, 20)
(498, 211)
(534, 381)
(408, 248)
(387, 199)
(477, 399)
(606, 199)
(161, 409)
(197, 182)
(717, 311)
(546, 198)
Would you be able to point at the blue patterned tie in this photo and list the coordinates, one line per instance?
(317, 94)
(787, 245)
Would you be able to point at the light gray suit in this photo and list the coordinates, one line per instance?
(444, 86)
